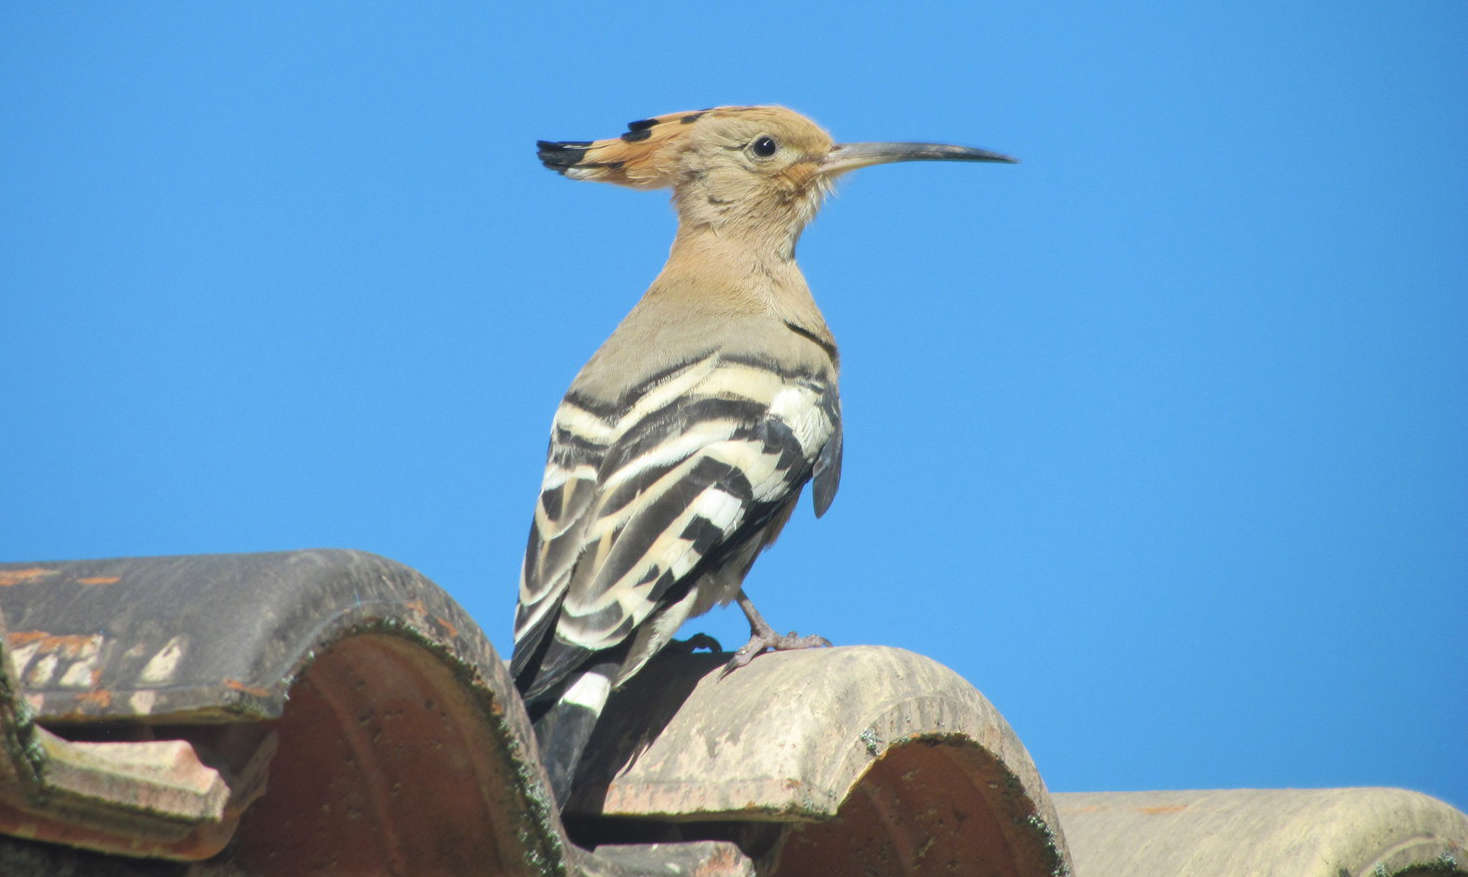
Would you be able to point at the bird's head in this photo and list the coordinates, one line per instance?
(759, 171)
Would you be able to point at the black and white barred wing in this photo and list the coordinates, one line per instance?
(579, 439)
(702, 472)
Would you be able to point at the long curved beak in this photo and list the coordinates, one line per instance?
(845, 157)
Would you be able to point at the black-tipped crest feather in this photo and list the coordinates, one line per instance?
(561, 155)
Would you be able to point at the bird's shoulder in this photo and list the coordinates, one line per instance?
(662, 347)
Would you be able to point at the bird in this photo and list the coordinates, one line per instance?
(684, 443)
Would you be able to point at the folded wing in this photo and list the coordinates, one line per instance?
(653, 510)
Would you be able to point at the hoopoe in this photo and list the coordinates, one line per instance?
(682, 446)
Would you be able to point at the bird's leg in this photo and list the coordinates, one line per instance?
(762, 636)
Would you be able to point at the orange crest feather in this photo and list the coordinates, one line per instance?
(639, 158)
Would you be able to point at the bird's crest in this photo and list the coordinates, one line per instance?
(640, 157)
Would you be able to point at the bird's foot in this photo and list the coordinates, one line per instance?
(693, 644)
(759, 641)
(762, 637)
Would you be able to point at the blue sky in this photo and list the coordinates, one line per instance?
(1159, 438)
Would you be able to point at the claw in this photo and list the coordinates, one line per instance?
(762, 637)
(759, 643)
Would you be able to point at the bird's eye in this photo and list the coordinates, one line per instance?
(764, 146)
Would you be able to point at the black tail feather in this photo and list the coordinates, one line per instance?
(563, 730)
(563, 733)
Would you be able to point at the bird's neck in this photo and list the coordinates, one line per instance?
(740, 274)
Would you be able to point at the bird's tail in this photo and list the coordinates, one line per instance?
(564, 729)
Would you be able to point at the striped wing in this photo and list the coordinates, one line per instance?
(687, 477)
(579, 439)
